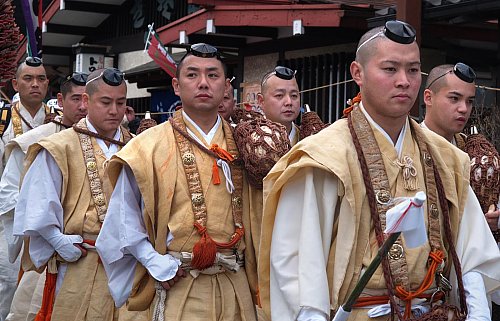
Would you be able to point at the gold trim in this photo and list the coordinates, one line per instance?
(380, 182)
(193, 177)
(16, 120)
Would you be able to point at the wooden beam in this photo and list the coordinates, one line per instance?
(72, 30)
(410, 11)
(314, 15)
(91, 7)
(62, 51)
(250, 31)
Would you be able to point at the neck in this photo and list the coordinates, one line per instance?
(205, 121)
(32, 109)
(432, 126)
(65, 121)
(391, 126)
(288, 128)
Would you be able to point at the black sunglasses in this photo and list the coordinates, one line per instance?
(395, 30)
(110, 76)
(78, 78)
(462, 71)
(33, 61)
(280, 72)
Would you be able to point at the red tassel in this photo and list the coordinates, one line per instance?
(204, 251)
(49, 292)
(215, 173)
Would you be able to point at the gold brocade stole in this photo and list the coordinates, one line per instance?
(380, 183)
(17, 121)
(204, 250)
(96, 185)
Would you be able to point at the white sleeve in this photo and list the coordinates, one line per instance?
(39, 205)
(475, 296)
(9, 192)
(123, 241)
(9, 184)
(311, 314)
(300, 245)
(476, 247)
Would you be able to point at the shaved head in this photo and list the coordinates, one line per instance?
(435, 73)
(365, 50)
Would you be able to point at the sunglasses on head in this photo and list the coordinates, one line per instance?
(280, 72)
(110, 76)
(395, 30)
(33, 61)
(78, 78)
(462, 71)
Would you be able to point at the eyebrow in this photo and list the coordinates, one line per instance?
(284, 90)
(454, 92)
(210, 68)
(32, 75)
(400, 63)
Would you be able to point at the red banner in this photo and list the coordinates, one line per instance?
(160, 55)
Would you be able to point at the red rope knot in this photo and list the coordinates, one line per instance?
(200, 228)
(221, 154)
(353, 103)
(437, 257)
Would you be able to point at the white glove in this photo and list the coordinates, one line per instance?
(62, 243)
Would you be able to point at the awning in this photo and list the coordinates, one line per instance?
(234, 26)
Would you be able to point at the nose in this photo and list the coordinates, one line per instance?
(35, 83)
(113, 109)
(288, 100)
(203, 84)
(81, 106)
(402, 79)
(463, 106)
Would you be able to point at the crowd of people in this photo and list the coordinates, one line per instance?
(173, 224)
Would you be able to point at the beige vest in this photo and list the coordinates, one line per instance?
(77, 300)
(157, 166)
(332, 150)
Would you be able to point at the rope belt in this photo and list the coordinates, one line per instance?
(222, 263)
(383, 299)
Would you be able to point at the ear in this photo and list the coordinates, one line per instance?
(357, 73)
(85, 100)
(175, 84)
(260, 99)
(60, 100)
(14, 84)
(428, 98)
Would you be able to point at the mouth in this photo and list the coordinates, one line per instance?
(461, 119)
(203, 96)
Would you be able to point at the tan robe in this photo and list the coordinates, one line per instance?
(154, 159)
(353, 244)
(84, 293)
